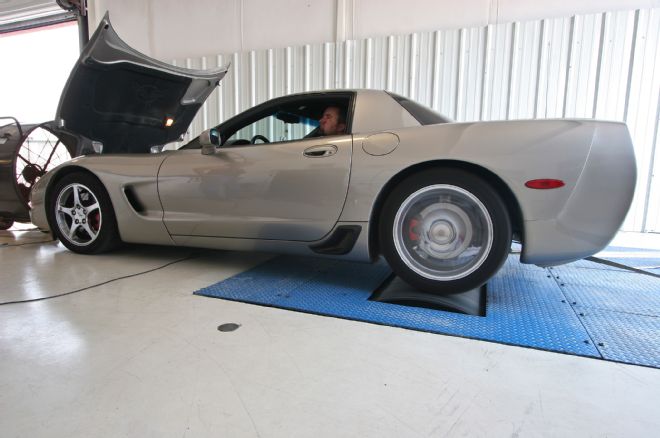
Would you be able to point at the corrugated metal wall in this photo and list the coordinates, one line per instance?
(604, 66)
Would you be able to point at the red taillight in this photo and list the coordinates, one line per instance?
(543, 184)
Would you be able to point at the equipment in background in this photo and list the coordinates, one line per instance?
(27, 152)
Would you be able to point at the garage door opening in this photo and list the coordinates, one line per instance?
(36, 65)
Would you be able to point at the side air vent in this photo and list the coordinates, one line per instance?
(340, 242)
(132, 199)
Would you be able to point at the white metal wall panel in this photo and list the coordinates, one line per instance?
(525, 69)
(553, 67)
(642, 114)
(470, 73)
(605, 66)
(613, 78)
(446, 80)
(583, 66)
(653, 214)
(497, 72)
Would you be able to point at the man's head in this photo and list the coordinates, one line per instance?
(332, 122)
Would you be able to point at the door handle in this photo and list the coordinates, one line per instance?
(325, 150)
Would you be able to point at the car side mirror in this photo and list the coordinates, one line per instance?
(209, 140)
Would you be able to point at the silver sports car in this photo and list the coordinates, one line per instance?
(349, 173)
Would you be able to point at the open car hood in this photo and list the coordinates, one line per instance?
(127, 101)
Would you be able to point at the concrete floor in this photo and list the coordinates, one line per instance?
(142, 357)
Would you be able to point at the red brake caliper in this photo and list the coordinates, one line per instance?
(95, 220)
(412, 233)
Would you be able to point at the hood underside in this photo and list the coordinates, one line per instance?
(127, 101)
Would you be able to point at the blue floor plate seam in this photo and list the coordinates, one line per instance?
(575, 311)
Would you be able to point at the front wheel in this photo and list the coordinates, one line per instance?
(81, 214)
(445, 231)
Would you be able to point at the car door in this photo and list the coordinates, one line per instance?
(293, 188)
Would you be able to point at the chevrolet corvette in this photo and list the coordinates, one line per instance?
(441, 201)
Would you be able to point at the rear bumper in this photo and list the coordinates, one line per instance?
(596, 208)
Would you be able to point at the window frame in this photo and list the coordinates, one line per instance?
(232, 125)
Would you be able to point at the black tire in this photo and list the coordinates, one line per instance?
(452, 233)
(88, 226)
(5, 223)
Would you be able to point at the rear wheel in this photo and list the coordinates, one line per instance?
(445, 231)
(81, 214)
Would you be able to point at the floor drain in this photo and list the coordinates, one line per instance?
(230, 327)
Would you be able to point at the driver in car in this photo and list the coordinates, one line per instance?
(332, 122)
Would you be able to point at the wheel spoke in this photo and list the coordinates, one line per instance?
(91, 208)
(67, 211)
(92, 233)
(76, 196)
(72, 230)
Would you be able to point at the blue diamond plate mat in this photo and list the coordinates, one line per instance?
(619, 309)
(526, 306)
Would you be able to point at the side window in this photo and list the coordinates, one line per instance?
(288, 119)
(277, 127)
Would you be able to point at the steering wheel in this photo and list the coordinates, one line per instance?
(254, 139)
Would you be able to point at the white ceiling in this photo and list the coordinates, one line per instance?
(19, 10)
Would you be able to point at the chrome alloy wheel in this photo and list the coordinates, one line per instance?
(78, 214)
(443, 232)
